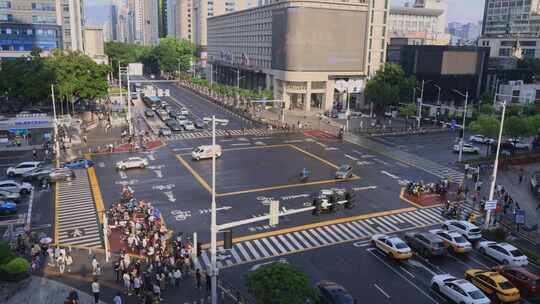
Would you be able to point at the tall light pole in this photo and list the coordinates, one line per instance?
(130, 125)
(120, 82)
(495, 166)
(420, 104)
(56, 141)
(438, 100)
(213, 223)
(466, 95)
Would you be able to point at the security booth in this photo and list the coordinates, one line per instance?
(26, 129)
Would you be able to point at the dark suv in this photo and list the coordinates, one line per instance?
(332, 293)
(426, 244)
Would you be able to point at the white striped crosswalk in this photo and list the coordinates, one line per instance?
(257, 249)
(221, 133)
(77, 222)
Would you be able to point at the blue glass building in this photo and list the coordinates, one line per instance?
(23, 37)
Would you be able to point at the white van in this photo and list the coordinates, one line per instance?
(203, 152)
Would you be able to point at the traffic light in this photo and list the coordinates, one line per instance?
(227, 239)
(350, 198)
(317, 204)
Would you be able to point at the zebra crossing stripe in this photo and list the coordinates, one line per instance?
(324, 235)
(243, 251)
(272, 249)
(286, 243)
(293, 237)
(332, 233)
(347, 232)
(358, 232)
(306, 234)
(386, 222)
(278, 245)
(235, 255)
(252, 250)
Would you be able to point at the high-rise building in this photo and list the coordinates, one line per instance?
(300, 49)
(26, 24)
(423, 22)
(512, 28)
(71, 17)
(46, 24)
(187, 19)
(94, 41)
(162, 17)
(145, 21)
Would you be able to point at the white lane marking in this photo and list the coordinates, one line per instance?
(406, 271)
(241, 144)
(382, 291)
(402, 276)
(182, 149)
(292, 141)
(350, 157)
(402, 164)
(364, 188)
(389, 174)
(358, 152)
(381, 161)
(123, 174)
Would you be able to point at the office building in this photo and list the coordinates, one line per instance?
(145, 21)
(162, 17)
(26, 24)
(423, 22)
(298, 49)
(179, 19)
(512, 28)
(71, 17)
(462, 68)
(94, 44)
(521, 92)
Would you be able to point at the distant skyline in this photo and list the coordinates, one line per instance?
(458, 10)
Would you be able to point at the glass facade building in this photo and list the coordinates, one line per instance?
(24, 37)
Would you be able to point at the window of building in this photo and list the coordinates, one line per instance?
(5, 4)
(527, 43)
(6, 17)
(537, 97)
(529, 53)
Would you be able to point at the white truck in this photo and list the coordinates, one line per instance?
(135, 69)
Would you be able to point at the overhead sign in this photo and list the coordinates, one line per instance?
(490, 205)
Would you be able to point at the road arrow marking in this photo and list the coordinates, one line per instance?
(123, 174)
(403, 182)
(364, 188)
(224, 208)
(259, 143)
(170, 196)
(163, 187)
(381, 161)
(363, 163)
(101, 164)
(151, 157)
(390, 174)
(158, 173)
(156, 167)
(350, 157)
(130, 182)
(331, 149)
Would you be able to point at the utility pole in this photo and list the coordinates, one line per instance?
(420, 104)
(56, 142)
(495, 167)
(438, 100)
(130, 126)
(213, 224)
(211, 75)
(120, 82)
(461, 142)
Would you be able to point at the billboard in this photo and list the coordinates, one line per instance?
(318, 39)
(459, 63)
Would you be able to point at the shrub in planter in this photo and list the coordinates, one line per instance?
(497, 234)
(5, 253)
(14, 270)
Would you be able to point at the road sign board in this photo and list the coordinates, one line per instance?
(520, 217)
(490, 205)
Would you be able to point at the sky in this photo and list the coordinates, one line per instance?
(458, 10)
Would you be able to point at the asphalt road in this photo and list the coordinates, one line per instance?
(252, 170)
(367, 273)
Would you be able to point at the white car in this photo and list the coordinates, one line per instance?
(481, 139)
(458, 290)
(453, 240)
(468, 230)
(391, 245)
(503, 252)
(132, 162)
(467, 148)
(13, 186)
(184, 111)
(22, 168)
(182, 119)
(518, 143)
(189, 126)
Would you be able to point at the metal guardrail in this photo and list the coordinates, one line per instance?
(394, 131)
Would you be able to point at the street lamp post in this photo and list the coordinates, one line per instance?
(495, 167)
(438, 100)
(56, 141)
(466, 95)
(420, 104)
(213, 223)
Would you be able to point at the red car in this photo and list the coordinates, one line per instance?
(527, 282)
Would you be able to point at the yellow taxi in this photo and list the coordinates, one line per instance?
(392, 246)
(494, 285)
(453, 240)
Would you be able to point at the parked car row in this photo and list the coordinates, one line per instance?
(175, 120)
(505, 283)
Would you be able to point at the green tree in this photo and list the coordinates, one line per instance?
(125, 53)
(409, 110)
(486, 125)
(77, 75)
(173, 53)
(387, 87)
(280, 283)
(532, 64)
(516, 126)
(487, 98)
(487, 109)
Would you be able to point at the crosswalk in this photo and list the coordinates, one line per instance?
(427, 165)
(77, 222)
(288, 243)
(222, 133)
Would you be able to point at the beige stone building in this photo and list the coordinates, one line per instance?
(94, 44)
(299, 49)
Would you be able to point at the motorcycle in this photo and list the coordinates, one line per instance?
(304, 175)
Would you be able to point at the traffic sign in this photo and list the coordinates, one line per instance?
(520, 217)
(490, 205)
